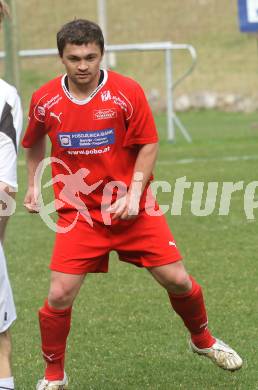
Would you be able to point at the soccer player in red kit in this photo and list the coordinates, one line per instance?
(102, 130)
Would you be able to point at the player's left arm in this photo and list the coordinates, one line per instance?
(128, 207)
(141, 133)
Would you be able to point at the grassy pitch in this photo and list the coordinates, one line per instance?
(124, 334)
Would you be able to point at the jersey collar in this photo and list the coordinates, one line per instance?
(91, 96)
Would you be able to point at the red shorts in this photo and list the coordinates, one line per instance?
(145, 241)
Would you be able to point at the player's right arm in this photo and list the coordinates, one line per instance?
(35, 143)
(34, 156)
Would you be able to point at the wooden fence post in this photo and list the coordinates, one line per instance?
(11, 46)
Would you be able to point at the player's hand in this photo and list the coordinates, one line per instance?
(126, 207)
(30, 202)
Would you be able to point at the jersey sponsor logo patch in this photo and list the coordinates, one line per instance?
(87, 139)
(42, 106)
(41, 111)
(53, 101)
(123, 102)
(105, 96)
(105, 114)
(120, 102)
(65, 140)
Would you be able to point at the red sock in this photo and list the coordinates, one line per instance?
(191, 308)
(54, 328)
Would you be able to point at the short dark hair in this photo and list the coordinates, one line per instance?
(79, 32)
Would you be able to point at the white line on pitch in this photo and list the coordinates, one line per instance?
(194, 160)
(21, 163)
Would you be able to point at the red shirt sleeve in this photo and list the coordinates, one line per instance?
(141, 127)
(36, 125)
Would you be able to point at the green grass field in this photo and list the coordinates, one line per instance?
(124, 334)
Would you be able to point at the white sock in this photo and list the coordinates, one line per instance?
(7, 383)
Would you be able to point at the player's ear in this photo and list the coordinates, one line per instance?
(61, 56)
(61, 51)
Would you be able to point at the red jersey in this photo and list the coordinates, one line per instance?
(101, 133)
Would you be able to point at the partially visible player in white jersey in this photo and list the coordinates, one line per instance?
(10, 131)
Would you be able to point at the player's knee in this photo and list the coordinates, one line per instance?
(5, 344)
(178, 283)
(60, 297)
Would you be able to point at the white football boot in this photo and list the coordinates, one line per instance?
(44, 384)
(221, 354)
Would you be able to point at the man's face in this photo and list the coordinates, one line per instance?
(82, 63)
